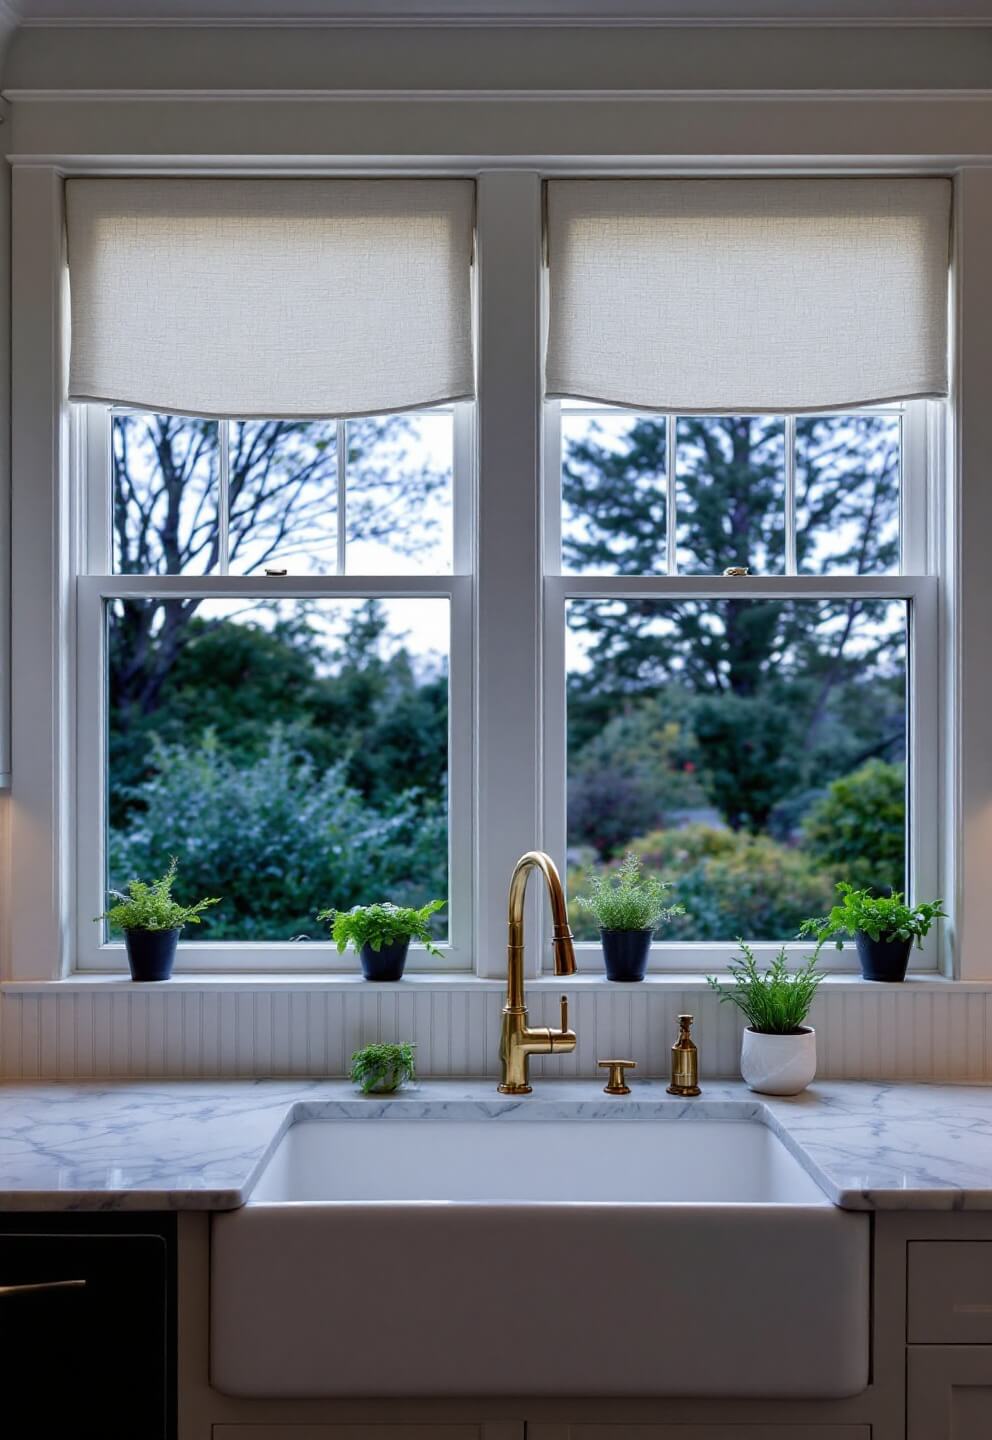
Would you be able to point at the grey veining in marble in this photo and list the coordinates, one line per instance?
(200, 1145)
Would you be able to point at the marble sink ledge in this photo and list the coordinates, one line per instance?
(177, 1145)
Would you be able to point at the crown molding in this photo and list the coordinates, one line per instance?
(612, 14)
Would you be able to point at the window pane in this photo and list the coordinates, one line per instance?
(399, 494)
(293, 755)
(847, 494)
(165, 489)
(613, 493)
(730, 493)
(752, 751)
(283, 480)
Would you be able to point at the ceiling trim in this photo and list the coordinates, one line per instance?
(613, 14)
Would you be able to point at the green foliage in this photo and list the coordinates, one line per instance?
(884, 918)
(777, 1002)
(342, 704)
(277, 836)
(728, 882)
(631, 774)
(383, 1067)
(857, 828)
(381, 924)
(629, 900)
(151, 906)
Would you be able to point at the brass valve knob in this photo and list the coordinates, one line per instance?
(617, 1083)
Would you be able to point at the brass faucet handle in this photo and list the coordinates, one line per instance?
(564, 1013)
(616, 1084)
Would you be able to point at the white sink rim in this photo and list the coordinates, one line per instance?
(529, 1159)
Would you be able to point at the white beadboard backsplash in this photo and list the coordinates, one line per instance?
(929, 1031)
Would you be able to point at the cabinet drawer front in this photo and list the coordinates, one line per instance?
(950, 1292)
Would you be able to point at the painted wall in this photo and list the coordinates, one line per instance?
(599, 92)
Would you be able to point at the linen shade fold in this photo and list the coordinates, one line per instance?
(750, 295)
(270, 298)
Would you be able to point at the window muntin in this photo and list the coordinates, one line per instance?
(841, 532)
(308, 712)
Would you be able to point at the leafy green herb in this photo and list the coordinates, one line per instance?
(776, 1003)
(886, 917)
(151, 906)
(630, 900)
(378, 925)
(383, 1067)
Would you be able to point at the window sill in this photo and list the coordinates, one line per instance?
(839, 983)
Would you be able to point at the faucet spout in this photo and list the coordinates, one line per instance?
(518, 1041)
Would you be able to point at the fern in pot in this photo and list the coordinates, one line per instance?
(381, 934)
(778, 1050)
(884, 928)
(151, 921)
(628, 907)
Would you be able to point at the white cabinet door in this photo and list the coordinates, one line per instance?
(949, 1394)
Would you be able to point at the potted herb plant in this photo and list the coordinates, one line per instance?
(884, 928)
(380, 1069)
(151, 921)
(778, 1051)
(629, 908)
(381, 934)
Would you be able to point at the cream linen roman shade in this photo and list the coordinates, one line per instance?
(748, 295)
(281, 298)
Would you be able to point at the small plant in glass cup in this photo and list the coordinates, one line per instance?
(381, 934)
(381, 1069)
(884, 928)
(778, 1050)
(628, 907)
(151, 921)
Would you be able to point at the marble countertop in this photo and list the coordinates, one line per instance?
(176, 1145)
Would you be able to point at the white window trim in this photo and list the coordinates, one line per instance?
(917, 586)
(508, 787)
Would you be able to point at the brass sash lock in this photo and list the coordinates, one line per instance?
(616, 1083)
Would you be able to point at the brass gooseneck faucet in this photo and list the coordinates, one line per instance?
(518, 1041)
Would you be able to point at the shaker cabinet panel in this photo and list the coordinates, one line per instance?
(949, 1300)
(949, 1393)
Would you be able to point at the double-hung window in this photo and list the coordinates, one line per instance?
(740, 603)
(274, 606)
(741, 657)
(285, 655)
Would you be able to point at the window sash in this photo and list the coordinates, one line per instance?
(93, 590)
(919, 589)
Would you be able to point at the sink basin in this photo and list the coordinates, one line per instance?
(533, 1251)
(570, 1161)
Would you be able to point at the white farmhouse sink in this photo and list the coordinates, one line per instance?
(558, 1161)
(531, 1252)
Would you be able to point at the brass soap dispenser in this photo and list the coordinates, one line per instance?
(685, 1061)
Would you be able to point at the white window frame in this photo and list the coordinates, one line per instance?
(509, 766)
(921, 423)
(93, 478)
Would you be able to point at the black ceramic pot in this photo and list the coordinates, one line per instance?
(386, 963)
(151, 954)
(626, 953)
(882, 959)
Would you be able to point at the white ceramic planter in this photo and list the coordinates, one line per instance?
(778, 1064)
